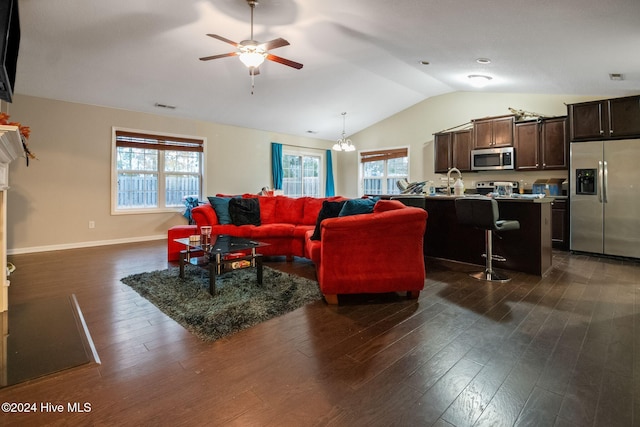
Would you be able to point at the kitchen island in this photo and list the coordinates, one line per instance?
(527, 250)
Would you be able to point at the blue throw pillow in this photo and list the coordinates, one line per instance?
(221, 206)
(357, 206)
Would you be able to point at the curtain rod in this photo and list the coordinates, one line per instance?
(302, 146)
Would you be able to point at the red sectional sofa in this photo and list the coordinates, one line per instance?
(284, 223)
(366, 253)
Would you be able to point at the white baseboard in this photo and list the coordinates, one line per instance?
(78, 245)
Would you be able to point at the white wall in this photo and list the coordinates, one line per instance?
(415, 126)
(51, 202)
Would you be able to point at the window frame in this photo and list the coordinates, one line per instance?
(161, 173)
(309, 152)
(384, 154)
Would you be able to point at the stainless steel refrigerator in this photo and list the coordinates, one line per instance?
(605, 197)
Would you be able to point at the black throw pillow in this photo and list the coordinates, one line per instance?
(329, 210)
(244, 211)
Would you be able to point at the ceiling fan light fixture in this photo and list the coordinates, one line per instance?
(252, 59)
(252, 53)
(344, 143)
(479, 80)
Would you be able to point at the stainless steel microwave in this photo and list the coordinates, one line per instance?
(491, 159)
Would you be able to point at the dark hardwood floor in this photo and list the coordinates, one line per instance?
(562, 350)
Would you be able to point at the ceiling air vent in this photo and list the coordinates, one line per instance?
(169, 107)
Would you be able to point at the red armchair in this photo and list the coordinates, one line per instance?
(371, 253)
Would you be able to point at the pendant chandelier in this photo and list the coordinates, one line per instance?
(344, 143)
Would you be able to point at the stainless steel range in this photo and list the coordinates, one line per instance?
(486, 187)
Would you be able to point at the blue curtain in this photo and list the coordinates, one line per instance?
(276, 165)
(329, 188)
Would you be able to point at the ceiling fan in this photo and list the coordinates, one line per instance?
(253, 53)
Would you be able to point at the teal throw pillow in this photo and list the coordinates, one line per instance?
(357, 206)
(221, 206)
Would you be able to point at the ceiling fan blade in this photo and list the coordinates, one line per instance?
(224, 39)
(284, 61)
(223, 55)
(274, 44)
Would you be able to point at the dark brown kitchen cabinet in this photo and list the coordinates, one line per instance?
(493, 132)
(452, 149)
(442, 152)
(614, 118)
(553, 143)
(541, 144)
(527, 145)
(559, 224)
(461, 145)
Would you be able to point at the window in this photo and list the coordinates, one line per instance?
(153, 173)
(302, 174)
(382, 169)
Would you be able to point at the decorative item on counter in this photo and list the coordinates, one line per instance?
(521, 186)
(25, 132)
(431, 188)
(458, 187)
(455, 190)
(504, 189)
(539, 186)
(548, 187)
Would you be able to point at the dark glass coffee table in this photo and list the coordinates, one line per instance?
(223, 254)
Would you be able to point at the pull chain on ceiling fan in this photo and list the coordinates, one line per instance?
(253, 53)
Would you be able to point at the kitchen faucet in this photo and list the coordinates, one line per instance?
(449, 178)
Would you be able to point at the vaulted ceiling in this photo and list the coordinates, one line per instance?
(362, 57)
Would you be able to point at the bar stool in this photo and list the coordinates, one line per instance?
(483, 213)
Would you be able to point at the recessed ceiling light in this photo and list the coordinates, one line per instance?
(479, 80)
(616, 76)
(424, 62)
(483, 61)
(312, 131)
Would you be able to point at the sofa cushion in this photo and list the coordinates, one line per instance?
(244, 211)
(273, 230)
(221, 207)
(301, 230)
(311, 209)
(312, 248)
(267, 210)
(357, 206)
(388, 205)
(329, 210)
(288, 209)
(233, 230)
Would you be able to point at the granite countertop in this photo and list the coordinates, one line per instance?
(516, 198)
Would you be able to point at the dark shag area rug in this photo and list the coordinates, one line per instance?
(240, 302)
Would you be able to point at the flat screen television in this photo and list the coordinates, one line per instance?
(9, 44)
